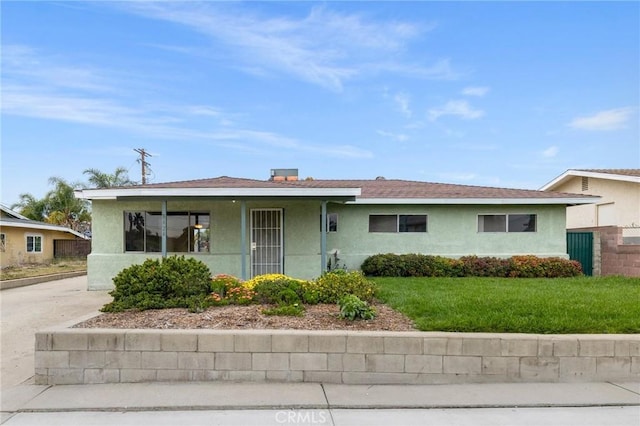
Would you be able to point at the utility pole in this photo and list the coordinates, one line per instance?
(143, 163)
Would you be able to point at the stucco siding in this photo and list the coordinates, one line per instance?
(301, 240)
(16, 245)
(452, 231)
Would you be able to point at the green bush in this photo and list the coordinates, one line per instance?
(474, 266)
(419, 265)
(221, 283)
(334, 285)
(295, 310)
(352, 308)
(383, 265)
(279, 290)
(172, 282)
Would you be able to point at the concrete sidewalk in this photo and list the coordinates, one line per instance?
(254, 396)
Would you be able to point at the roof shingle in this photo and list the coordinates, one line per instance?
(375, 188)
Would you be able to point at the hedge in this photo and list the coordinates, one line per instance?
(421, 265)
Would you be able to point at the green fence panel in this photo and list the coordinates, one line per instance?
(580, 248)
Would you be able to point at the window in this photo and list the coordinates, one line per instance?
(522, 223)
(3, 241)
(34, 243)
(187, 232)
(332, 222)
(412, 223)
(507, 223)
(398, 223)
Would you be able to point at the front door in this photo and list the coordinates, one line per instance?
(266, 241)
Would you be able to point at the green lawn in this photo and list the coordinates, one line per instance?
(561, 305)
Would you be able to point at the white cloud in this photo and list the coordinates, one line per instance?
(400, 137)
(475, 91)
(403, 100)
(550, 152)
(324, 47)
(28, 92)
(611, 119)
(460, 109)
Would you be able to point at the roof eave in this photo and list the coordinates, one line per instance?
(479, 201)
(113, 194)
(41, 226)
(582, 173)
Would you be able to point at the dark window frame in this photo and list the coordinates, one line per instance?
(149, 232)
(402, 224)
(510, 221)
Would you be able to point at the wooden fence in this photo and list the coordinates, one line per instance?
(71, 248)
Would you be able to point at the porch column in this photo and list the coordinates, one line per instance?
(164, 228)
(323, 237)
(243, 239)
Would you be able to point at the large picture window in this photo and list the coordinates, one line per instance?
(398, 223)
(507, 223)
(187, 232)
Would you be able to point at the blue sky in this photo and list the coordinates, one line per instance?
(495, 94)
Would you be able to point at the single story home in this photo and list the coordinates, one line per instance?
(25, 241)
(248, 227)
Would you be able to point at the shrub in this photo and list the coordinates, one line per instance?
(294, 310)
(419, 265)
(334, 285)
(383, 265)
(221, 283)
(156, 284)
(240, 295)
(474, 266)
(352, 308)
(278, 289)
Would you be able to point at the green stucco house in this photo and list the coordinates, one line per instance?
(248, 227)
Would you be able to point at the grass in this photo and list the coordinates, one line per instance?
(33, 270)
(502, 305)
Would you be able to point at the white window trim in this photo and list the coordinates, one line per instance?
(328, 227)
(26, 243)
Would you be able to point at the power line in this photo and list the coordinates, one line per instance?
(144, 165)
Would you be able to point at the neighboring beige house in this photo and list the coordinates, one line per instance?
(619, 190)
(24, 241)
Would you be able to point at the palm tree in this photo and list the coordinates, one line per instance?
(59, 206)
(99, 179)
(31, 207)
(63, 208)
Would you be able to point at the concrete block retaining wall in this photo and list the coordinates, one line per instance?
(77, 356)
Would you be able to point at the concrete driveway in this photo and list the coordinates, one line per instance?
(25, 310)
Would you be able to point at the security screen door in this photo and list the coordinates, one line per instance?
(266, 241)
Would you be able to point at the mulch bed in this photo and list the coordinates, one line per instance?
(316, 317)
